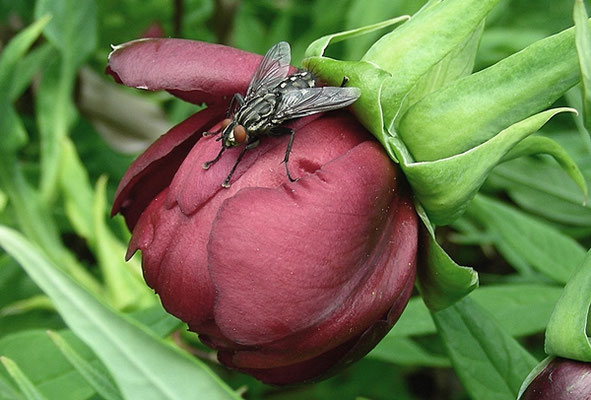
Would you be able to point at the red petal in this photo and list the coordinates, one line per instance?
(287, 259)
(194, 71)
(153, 170)
(164, 235)
(317, 142)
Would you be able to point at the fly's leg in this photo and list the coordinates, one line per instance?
(216, 132)
(250, 145)
(237, 98)
(208, 164)
(345, 80)
(282, 130)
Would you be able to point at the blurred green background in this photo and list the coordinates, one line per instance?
(76, 132)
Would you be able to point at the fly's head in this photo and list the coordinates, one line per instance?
(233, 134)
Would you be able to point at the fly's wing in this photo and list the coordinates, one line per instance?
(273, 68)
(302, 102)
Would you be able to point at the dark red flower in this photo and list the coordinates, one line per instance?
(288, 281)
(561, 379)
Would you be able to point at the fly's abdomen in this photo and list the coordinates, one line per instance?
(299, 80)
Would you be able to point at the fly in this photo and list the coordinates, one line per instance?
(272, 98)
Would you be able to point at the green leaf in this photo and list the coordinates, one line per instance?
(73, 28)
(95, 377)
(544, 145)
(46, 367)
(415, 47)
(143, 365)
(470, 111)
(27, 67)
(520, 309)
(437, 184)
(404, 351)
(583, 43)
(13, 134)
(26, 386)
(39, 302)
(317, 47)
(36, 222)
(55, 113)
(76, 190)
(73, 31)
(566, 335)
(544, 189)
(7, 391)
(489, 362)
(16, 49)
(124, 282)
(542, 246)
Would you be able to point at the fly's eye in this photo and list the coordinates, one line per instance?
(239, 134)
(226, 122)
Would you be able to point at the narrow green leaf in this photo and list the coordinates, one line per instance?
(317, 47)
(55, 113)
(583, 43)
(12, 132)
(545, 248)
(25, 385)
(124, 282)
(566, 335)
(45, 366)
(143, 365)
(73, 30)
(77, 191)
(16, 49)
(35, 221)
(7, 391)
(489, 362)
(39, 302)
(27, 67)
(95, 377)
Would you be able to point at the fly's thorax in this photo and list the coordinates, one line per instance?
(256, 114)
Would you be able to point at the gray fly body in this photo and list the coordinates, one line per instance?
(272, 98)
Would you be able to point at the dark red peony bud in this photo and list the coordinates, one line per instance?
(561, 379)
(288, 281)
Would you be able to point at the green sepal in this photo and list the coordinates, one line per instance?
(440, 280)
(317, 47)
(473, 109)
(583, 44)
(415, 48)
(365, 76)
(445, 186)
(566, 334)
